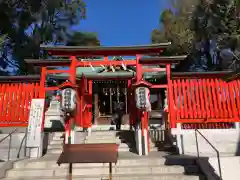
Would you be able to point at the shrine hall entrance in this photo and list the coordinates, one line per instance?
(107, 95)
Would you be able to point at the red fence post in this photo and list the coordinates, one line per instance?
(171, 109)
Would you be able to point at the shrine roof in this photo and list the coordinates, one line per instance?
(145, 60)
(64, 51)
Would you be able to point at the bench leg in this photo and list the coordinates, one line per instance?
(70, 172)
(110, 171)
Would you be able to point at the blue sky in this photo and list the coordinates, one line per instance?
(122, 22)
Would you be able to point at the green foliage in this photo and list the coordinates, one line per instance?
(217, 19)
(191, 24)
(2, 39)
(29, 23)
(175, 28)
(83, 39)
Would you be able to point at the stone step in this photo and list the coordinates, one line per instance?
(101, 141)
(121, 177)
(101, 137)
(59, 151)
(108, 132)
(56, 142)
(125, 160)
(60, 145)
(56, 138)
(77, 141)
(60, 142)
(52, 146)
(63, 171)
(58, 134)
(54, 151)
(104, 127)
(121, 149)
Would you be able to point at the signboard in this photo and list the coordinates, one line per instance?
(35, 123)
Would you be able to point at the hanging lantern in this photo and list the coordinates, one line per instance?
(68, 100)
(142, 97)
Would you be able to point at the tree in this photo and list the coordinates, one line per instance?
(175, 27)
(83, 39)
(29, 23)
(207, 31)
(216, 24)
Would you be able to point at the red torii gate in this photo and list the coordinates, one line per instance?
(84, 114)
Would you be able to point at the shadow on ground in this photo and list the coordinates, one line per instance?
(198, 166)
(128, 138)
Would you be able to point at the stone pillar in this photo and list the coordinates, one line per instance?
(138, 139)
(54, 117)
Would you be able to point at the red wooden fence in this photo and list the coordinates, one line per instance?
(204, 101)
(15, 102)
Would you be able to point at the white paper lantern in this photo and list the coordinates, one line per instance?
(142, 97)
(68, 100)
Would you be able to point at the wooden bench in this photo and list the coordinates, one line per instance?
(89, 153)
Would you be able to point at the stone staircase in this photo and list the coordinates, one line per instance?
(129, 166)
(123, 138)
